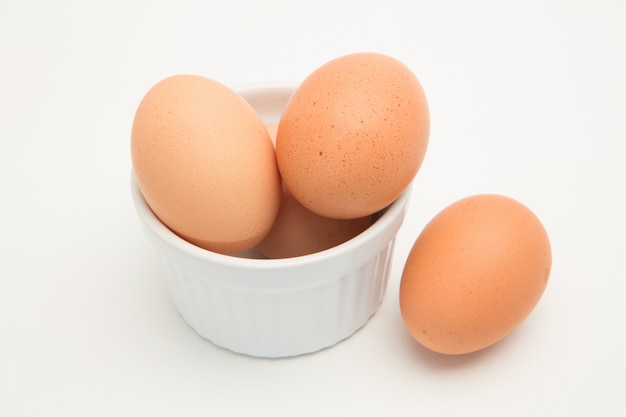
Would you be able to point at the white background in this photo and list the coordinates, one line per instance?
(526, 100)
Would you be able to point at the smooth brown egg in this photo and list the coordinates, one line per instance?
(205, 163)
(353, 135)
(298, 231)
(475, 273)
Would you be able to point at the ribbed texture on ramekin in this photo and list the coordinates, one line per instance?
(281, 323)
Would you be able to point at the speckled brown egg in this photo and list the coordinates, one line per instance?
(205, 163)
(298, 231)
(475, 273)
(353, 135)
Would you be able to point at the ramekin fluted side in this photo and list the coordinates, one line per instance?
(280, 323)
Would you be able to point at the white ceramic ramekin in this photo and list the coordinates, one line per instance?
(276, 307)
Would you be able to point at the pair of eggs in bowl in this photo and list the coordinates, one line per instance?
(350, 139)
(269, 307)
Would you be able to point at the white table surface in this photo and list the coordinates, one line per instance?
(526, 100)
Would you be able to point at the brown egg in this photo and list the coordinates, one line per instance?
(298, 231)
(474, 274)
(272, 129)
(353, 135)
(205, 164)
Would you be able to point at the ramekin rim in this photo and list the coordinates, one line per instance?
(390, 213)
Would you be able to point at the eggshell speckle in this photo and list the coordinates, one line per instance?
(205, 164)
(353, 135)
(474, 274)
(298, 231)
